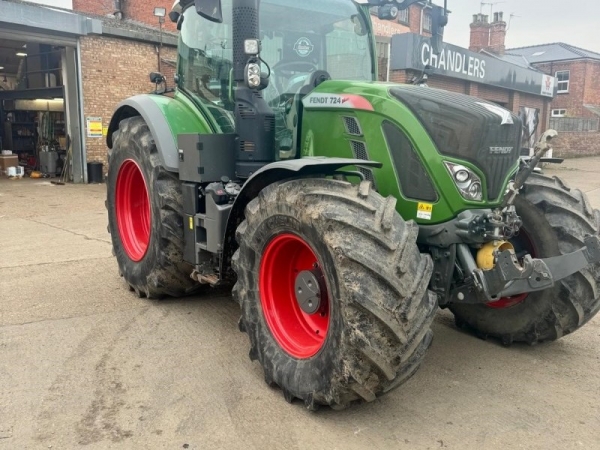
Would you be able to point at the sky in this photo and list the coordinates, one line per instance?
(575, 22)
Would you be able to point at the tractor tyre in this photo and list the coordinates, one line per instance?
(333, 291)
(145, 215)
(555, 221)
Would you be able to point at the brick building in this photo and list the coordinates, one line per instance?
(575, 110)
(577, 72)
(483, 70)
(67, 67)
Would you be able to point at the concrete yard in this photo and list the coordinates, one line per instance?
(85, 363)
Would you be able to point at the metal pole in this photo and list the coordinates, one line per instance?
(160, 22)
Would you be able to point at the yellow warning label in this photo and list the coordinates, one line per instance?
(425, 207)
(191, 223)
(424, 211)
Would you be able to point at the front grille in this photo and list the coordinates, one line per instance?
(414, 179)
(468, 128)
(359, 150)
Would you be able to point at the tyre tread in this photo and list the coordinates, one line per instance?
(382, 344)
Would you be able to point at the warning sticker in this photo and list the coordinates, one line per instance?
(424, 211)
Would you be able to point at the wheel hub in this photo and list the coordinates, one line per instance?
(132, 208)
(309, 290)
(294, 296)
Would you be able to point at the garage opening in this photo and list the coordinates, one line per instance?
(36, 128)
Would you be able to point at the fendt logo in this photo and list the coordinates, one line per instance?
(304, 47)
(501, 150)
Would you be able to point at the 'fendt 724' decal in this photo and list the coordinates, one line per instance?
(346, 101)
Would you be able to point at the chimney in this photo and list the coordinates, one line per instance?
(498, 34)
(480, 33)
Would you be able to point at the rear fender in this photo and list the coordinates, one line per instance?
(272, 173)
(143, 105)
(166, 117)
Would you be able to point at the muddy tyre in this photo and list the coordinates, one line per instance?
(555, 221)
(368, 326)
(145, 215)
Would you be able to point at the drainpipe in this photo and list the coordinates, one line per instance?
(119, 9)
(389, 61)
(424, 6)
(83, 175)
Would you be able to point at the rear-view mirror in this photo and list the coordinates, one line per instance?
(156, 77)
(210, 10)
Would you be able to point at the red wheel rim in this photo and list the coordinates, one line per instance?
(522, 244)
(300, 334)
(133, 210)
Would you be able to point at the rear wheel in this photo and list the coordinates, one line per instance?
(333, 291)
(145, 215)
(555, 221)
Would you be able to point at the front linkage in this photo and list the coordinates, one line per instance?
(509, 278)
(499, 274)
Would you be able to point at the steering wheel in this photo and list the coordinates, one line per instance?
(286, 68)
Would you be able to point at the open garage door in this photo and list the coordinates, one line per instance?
(39, 65)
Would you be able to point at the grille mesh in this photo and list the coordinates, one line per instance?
(465, 127)
(352, 126)
(359, 150)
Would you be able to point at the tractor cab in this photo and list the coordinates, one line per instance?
(302, 45)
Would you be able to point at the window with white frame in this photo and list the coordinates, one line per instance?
(427, 23)
(403, 16)
(559, 112)
(562, 78)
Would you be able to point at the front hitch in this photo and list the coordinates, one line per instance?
(509, 278)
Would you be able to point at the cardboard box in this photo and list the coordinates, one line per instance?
(8, 161)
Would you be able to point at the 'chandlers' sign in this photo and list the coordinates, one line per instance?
(453, 61)
(411, 51)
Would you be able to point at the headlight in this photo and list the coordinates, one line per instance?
(468, 182)
(253, 75)
(462, 176)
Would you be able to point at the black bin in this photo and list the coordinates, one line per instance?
(95, 170)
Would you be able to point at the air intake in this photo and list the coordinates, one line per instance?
(352, 126)
(414, 179)
(359, 150)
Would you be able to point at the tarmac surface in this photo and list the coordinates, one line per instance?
(86, 364)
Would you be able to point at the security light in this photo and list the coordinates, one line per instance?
(21, 54)
(160, 12)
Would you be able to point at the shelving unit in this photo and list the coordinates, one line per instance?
(20, 134)
(21, 131)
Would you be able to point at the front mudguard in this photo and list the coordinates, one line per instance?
(272, 173)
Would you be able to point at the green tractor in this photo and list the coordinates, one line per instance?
(343, 211)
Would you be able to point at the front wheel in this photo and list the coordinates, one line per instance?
(555, 221)
(333, 291)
